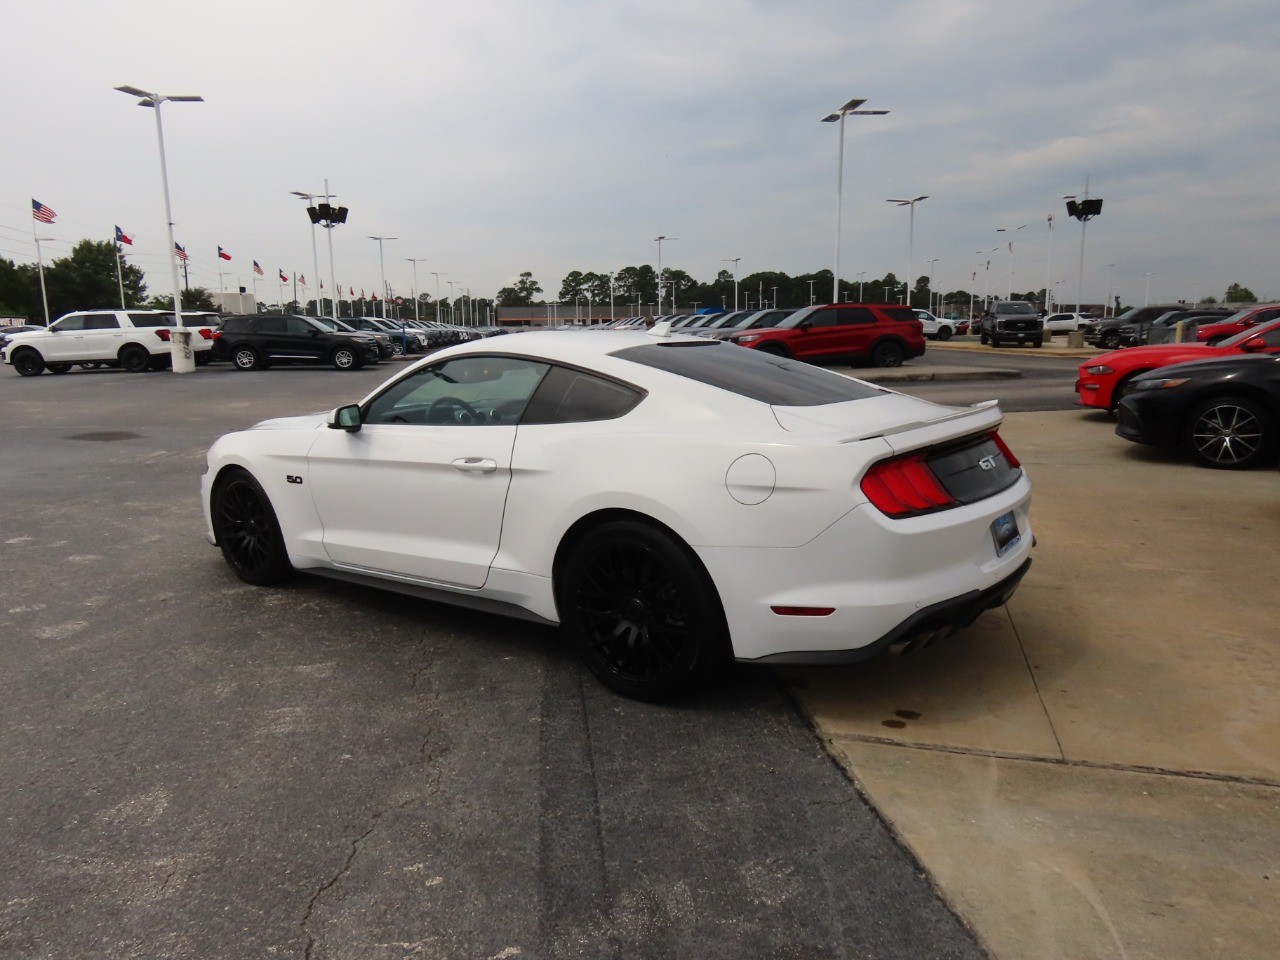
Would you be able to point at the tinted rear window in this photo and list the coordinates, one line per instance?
(749, 373)
(152, 320)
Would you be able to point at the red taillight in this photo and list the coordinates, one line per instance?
(206, 333)
(217, 335)
(163, 333)
(1008, 454)
(905, 487)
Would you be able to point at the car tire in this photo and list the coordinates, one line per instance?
(1232, 433)
(1038, 343)
(135, 359)
(397, 348)
(887, 354)
(1109, 340)
(344, 358)
(774, 349)
(202, 358)
(995, 343)
(28, 363)
(246, 358)
(641, 611)
(982, 338)
(57, 367)
(247, 531)
(944, 333)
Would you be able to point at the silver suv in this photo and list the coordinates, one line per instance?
(136, 340)
(1012, 321)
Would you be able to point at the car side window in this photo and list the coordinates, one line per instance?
(68, 324)
(465, 391)
(849, 315)
(822, 318)
(297, 326)
(1272, 337)
(269, 325)
(102, 321)
(574, 396)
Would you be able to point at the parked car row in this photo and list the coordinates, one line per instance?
(140, 340)
(1219, 401)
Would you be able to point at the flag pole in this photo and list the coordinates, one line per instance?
(40, 260)
(120, 273)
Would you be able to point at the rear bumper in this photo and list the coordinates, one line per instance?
(921, 629)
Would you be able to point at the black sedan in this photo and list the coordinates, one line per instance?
(1225, 411)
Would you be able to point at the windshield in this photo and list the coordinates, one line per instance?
(1017, 308)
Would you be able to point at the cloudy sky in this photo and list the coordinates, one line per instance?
(492, 137)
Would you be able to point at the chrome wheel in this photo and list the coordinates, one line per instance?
(344, 358)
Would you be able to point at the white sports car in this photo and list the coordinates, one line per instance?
(672, 502)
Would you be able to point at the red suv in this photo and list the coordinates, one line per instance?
(883, 334)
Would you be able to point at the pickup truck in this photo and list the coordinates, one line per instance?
(1012, 321)
(137, 340)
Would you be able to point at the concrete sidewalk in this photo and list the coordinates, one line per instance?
(1094, 770)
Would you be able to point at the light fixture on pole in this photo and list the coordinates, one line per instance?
(1084, 210)
(415, 261)
(734, 261)
(849, 109)
(383, 272)
(911, 239)
(1048, 272)
(184, 360)
(328, 216)
(1010, 230)
(673, 293)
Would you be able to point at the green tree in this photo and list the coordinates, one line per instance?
(85, 279)
(521, 294)
(196, 298)
(1239, 294)
(632, 283)
(20, 291)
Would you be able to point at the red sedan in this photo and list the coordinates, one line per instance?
(1102, 380)
(1248, 319)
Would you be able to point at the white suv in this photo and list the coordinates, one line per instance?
(136, 340)
(935, 328)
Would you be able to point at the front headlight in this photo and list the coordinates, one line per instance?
(749, 338)
(1160, 383)
(1098, 369)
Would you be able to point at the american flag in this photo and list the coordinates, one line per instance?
(257, 269)
(180, 252)
(40, 212)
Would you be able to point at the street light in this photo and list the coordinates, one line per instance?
(1010, 230)
(438, 276)
(315, 257)
(930, 275)
(1048, 272)
(383, 272)
(911, 238)
(1083, 210)
(184, 360)
(734, 261)
(328, 216)
(849, 109)
(1147, 300)
(415, 261)
(673, 293)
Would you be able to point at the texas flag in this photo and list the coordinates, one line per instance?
(122, 237)
(351, 291)
(223, 255)
(302, 279)
(283, 277)
(257, 269)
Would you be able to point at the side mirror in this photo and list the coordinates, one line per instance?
(1254, 344)
(803, 325)
(345, 418)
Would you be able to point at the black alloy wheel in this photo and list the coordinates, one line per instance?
(28, 363)
(57, 367)
(944, 333)
(887, 354)
(1110, 340)
(1232, 433)
(344, 358)
(135, 359)
(642, 612)
(247, 530)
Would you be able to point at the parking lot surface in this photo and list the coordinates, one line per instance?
(192, 767)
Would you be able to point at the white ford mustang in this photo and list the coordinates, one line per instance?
(673, 502)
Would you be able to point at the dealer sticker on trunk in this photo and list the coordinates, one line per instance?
(1004, 530)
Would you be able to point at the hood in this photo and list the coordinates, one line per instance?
(1159, 353)
(312, 421)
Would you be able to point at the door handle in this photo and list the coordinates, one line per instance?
(475, 465)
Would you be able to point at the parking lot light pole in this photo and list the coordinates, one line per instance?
(1048, 273)
(415, 261)
(382, 270)
(315, 257)
(734, 261)
(184, 360)
(673, 293)
(911, 238)
(1010, 230)
(930, 275)
(849, 109)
